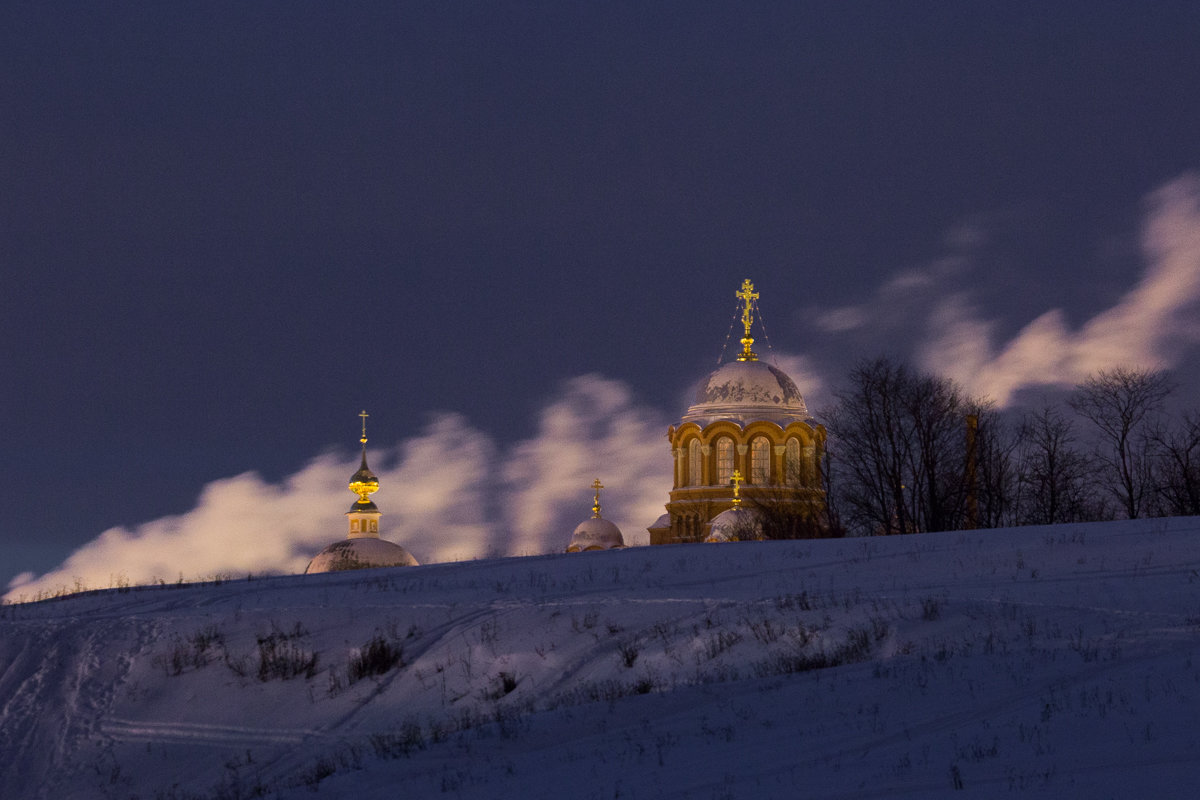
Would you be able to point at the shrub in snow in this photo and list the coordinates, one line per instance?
(374, 658)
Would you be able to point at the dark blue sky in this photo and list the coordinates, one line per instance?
(227, 227)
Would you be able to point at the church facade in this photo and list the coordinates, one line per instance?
(749, 424)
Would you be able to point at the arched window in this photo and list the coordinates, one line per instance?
(693, 473)
(791, 462)
(724, 460)
(760, 460)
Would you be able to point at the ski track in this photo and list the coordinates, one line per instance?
(225, 736)
(52, 718)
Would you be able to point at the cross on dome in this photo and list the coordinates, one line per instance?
(736, 479)
(747, 295)
(363, 483)
(596, 486)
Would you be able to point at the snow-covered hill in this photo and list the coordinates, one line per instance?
(1056, 662)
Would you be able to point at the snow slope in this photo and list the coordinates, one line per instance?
(1056, 662)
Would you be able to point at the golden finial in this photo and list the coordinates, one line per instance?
(364, 482)
(736, 479)
(596, 486)
(747, 295)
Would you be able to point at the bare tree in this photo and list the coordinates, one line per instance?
(1055, 484)
(869, 447)
(1178, 451)
(937, 410)
(1120, 404)
(898, 450)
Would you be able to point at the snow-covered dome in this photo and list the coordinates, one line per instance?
(360, 553)
(744, 391)
(595, 534)
(736, 524)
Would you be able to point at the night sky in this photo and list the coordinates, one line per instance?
(225, 228)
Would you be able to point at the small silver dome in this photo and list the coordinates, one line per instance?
(736, 524)
(363, 553)
(595, 534)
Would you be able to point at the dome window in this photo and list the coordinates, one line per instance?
(694, 471)
(724, 460)
(760, 461)
(791, 461)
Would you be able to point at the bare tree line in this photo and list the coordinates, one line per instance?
(910, 452)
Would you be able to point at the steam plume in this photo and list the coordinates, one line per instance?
(436, 498)
(1150, 326)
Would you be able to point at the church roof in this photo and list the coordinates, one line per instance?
(360, 554)
(595, 534)
(364, 474)
(662, 523)
(745, 391)
(364, 482)
(735, 524)
(748, 390)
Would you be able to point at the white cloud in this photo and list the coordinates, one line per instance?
(435, 500)
(802, 370)
(593, 431)
(894, 302)
(239, 525)
(840, 320)
(1150, 325)
(440, 499)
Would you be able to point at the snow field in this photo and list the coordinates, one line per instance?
(1055, 661)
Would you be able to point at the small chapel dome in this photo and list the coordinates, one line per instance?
(735, 524)
(361, 553)
(362, 548)
(595, 533)
(745, 391)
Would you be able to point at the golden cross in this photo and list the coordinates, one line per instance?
(748, 296)
(364, 416)
(736, 479)
(597, 486)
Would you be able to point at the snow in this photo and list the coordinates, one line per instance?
(1054, 661)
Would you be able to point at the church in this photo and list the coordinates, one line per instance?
(747, 460)
(749, 425)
